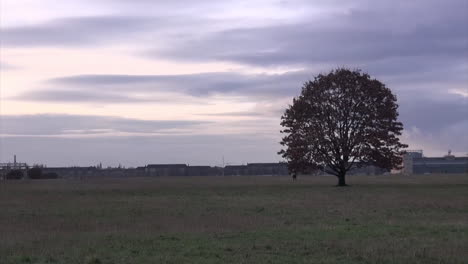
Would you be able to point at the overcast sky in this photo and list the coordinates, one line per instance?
(138, 82)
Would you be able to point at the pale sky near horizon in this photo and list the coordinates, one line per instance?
(139, 82)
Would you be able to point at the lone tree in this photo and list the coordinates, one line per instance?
(342, 120)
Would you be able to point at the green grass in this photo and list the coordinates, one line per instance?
(381, 219)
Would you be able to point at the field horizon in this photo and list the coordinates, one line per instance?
(236, 219)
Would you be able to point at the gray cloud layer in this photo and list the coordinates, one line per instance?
(202, 84)
(122, 88)
(433, 114)
(75, 31)
(364, 34)
(81, 96)
(387, 38)
(306, 44)
(416, 104)
(59, 124)
(368, 32)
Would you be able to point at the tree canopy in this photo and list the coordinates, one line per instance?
(340, 121)
(14, 175)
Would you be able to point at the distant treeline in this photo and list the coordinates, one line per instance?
(35, 173)
(152, 170)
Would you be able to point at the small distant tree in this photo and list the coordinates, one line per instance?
(35, 173)
(341, 120)
(14, 175)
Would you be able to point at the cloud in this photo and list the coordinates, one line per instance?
(432, 113)
(120, 93)
(80, 96)
(436, 143)
(305, 44)
(203, 84)
(234, 114)
(125, 88)
(461, 92)
(78, 31)
(63, 125)
(7, 67)
(270, 92)
(409, 39)
(362, 33)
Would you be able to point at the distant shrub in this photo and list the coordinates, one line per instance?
(14, 175)
(35, 173)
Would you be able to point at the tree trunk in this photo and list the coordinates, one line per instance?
(341, 180)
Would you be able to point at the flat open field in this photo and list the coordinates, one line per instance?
(380, 219)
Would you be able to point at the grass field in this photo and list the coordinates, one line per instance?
(379, 219)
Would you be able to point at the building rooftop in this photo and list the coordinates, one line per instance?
(166, 166)
(276, 164)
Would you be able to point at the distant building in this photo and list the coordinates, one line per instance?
(261, 169)
(203, 171)
(235, 170)
(94, 172)
(166, 170)
(357, 169)
(267, 168)
(367, 170)
(73, 172)
(414, 162)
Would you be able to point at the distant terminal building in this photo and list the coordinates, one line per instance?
(166, 170)
(367, 170)
(181, 170)
(265, 169)
(278, 168)
(229, 170)
(357, 169)
(235, 170)
(414, 162)
(94, 172)
(203, 171)
(72, 172)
